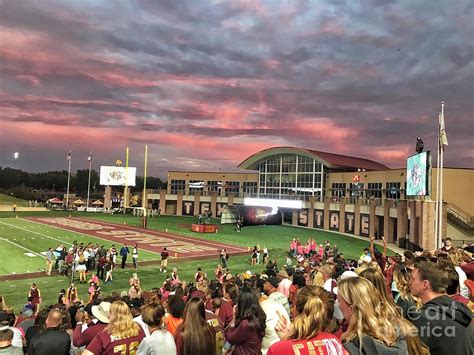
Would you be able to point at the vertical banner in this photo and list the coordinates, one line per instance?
(364, 224)
(349, 223)
(303, 217)
(188, 208)
(318, 219)
(334, 220)
(219, 208)
(204, 207)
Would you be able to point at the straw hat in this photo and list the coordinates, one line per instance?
(101, 312)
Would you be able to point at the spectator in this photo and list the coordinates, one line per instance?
(373, 327)
(53, 340)
(90, 321)
(18, 339)
(194, 336)
(226, 312)
(39, 327)
(443, 324)
(273, 312)
(160, 341)
(248, 328)
(121, 332)
(135, 256)
(401, 290)
(49, 261)
(312, 325)
(176, 307)
(6, 347)
(285, 283)
(448, 246)
(270, 287)
(35, 295)
(164, 260)
(452, 290)
(28, 319)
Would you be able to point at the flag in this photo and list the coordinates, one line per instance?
(89, 158)
(68, 157)
(443, 139)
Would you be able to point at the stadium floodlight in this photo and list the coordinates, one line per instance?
(274, 203)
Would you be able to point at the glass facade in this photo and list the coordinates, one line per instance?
(286, 175)
(178, 186)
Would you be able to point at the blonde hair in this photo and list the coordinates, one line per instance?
(315, 308)
(370, 314)
(377, 279)
(456, 257)
(318, 279)
(121, 323)
(401, 277)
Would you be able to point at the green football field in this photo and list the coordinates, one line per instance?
(23, 242)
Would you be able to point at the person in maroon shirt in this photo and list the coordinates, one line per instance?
(248, 329)
(90, 322)
(195, 336)
(310, 331)
(164, 260)
(226, 312)
(121, 336)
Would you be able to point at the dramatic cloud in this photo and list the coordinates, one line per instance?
(207, 83)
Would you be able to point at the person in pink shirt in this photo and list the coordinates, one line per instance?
(300, 249)
(285, 283)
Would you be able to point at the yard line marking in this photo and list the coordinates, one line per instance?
(22, 247)
(28, 230)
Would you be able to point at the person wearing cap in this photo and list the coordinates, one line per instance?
(53, 340)
(91, 321)
(271, 289)
(28, 319)
(285, 283)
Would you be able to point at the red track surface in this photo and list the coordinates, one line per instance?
(178, 246)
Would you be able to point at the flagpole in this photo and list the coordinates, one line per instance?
(125, 190)
(68, 178)
(144, 197)
(437, 185)
(89, 182)
(440, 208)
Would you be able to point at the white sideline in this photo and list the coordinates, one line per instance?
(22, 247)
(30, 231)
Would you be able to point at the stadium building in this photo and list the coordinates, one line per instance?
(334, 192)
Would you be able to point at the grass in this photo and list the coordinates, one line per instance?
(12, 258)
(10, 200)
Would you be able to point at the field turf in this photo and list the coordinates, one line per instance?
(19, 236)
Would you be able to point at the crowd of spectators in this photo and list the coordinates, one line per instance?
(319, 302)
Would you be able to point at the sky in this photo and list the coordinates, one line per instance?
(205, 84)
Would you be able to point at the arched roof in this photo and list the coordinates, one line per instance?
(331, 160)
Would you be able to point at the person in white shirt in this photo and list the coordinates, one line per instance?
(160, 341)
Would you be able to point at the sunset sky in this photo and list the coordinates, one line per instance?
(207, 83)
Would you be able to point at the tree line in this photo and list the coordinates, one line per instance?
(20, 183)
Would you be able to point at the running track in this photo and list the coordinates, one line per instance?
(178, 246)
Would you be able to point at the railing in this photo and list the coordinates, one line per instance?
(461, 215)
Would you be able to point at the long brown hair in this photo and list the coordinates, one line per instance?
(199, 338)
(371, 317)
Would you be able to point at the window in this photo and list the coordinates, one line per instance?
(392, 190)
(177, 186)
(357, 189)
(214, 186)
(249, 187)
(338, 189)
(195, 186)
(374, 189)
(232, 187)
